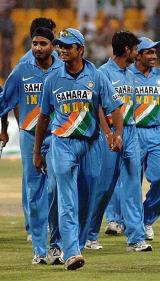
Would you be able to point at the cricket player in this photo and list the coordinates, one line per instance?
(75, 93)
(124, 46)
(54, 252)
(50, 24)
(147, 116)
(24, 88)
(4, 125)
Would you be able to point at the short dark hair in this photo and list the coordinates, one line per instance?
(78, 47)
(42, 22)
(44, 32)
(123, 39)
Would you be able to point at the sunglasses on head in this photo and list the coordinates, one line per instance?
(65, 33)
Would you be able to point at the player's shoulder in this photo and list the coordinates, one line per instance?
(105, 67)
(27, 56)
(93, 71)
(57, 71)
(90, 66)
(130, 71)
(17, 70)
(157, 70)
(24, 66)
(57, 61)
(54, 75)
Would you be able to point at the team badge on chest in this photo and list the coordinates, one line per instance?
(90, 84)
(158, 82)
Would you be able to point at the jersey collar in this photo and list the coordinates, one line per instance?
(136, 70)
(57, 63)
(85, 72)
(115, 66)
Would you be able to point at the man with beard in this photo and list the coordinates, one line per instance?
(23, 88)
(124, 46)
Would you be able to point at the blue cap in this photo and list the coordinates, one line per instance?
(147, 43)
(70, 36)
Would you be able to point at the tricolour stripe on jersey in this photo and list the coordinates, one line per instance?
(127, 111)
(31, 119)
(146, 113)
(140, 109)
(76, 125)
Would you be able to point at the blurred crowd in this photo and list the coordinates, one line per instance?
(98, 20)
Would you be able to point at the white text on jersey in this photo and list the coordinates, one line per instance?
(33, 87)
(74, 95)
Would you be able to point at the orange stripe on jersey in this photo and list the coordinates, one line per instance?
(109, 117)
(29, 118)
(66, 126)
(140, 109)
(123, 108)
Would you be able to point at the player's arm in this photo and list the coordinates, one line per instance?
(114, 140)
(106, 129)
(4, 134)
(9, 97)
(111, 105)
(41, 130)
(117, 119)
(16, 113)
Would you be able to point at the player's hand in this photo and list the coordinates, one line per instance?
(110, 140)
(4, 138)
(117, 143)
(39, 162)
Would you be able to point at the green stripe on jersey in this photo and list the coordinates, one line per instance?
(150, 117)
(83, 126)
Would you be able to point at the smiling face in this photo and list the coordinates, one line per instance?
(148, 58)
(70, 53)
(41, 48)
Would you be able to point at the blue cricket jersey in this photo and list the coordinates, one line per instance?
(76, 101)
(123, 82)
(147, 89)
(24, 87)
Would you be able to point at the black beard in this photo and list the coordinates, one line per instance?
(43, 58)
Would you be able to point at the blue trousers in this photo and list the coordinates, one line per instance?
(77, 167)
(52, 199)
(113, 210)
(149, 140)
(106, 184)
(55, 239)
(36, 190)
(25, 205)
(131, 193)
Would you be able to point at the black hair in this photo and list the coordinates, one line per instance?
(123, 39)
(41, 22)
(141, 51)
(78, 47)
(44, 32)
